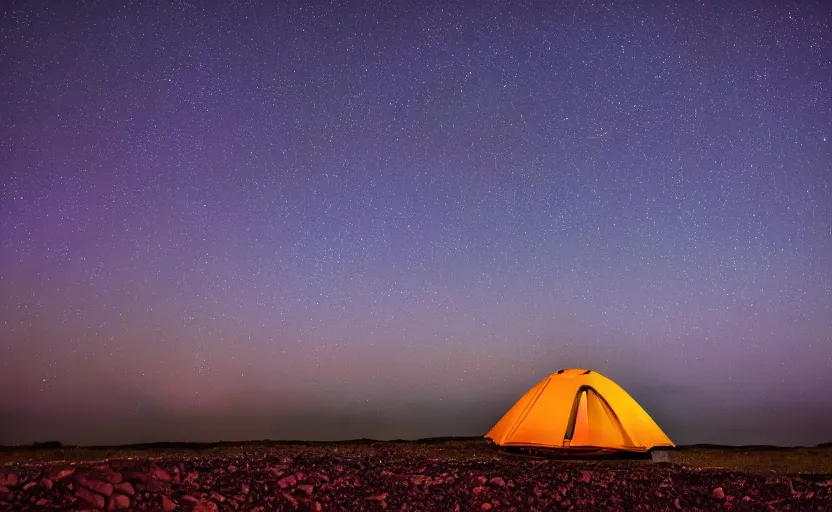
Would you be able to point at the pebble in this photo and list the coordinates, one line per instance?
(126, 488)
(497, 482)
(9, 479)
(119, 501)
(167, 504)
(96, 500)
(161, 475)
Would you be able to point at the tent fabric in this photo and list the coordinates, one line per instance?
(578, 409)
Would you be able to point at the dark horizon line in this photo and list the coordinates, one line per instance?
(57, 445)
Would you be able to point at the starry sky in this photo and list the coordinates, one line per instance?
(389, 219)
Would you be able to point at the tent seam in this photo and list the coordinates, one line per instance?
(527, 410)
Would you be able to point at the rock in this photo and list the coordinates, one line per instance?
(586, 476)
(113, 477)
(126, 488)
(205, 506)
(119, 502)
(380, 498)
(93, 499)
(485, 506)
(497, 482)
(9, 479)
(291, 499)
(42, 502)
(476, 491)
(63, 473)
(287, 481)
(217, 497)
(168, 504)
(29, 486)
(160, 474)
(677, 504)
(660, 456)
(193, 476)
(718, 493)
(103, 488)
(307, 489)
(3, 489)
(47, 483)
(277, 470)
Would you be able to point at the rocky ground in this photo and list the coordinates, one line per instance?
(383, 479)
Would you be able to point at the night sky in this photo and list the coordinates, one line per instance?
(307, 220)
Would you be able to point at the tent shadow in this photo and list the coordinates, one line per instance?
(555, 454)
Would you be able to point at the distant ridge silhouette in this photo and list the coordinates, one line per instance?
(57, 445)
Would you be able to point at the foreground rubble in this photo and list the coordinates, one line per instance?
(378, 480)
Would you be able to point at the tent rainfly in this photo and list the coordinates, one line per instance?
(578, 409)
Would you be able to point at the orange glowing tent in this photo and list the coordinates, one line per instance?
(578, 409)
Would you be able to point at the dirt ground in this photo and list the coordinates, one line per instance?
(449, 474)
(756, 460)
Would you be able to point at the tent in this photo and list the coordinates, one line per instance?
(578, 409)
